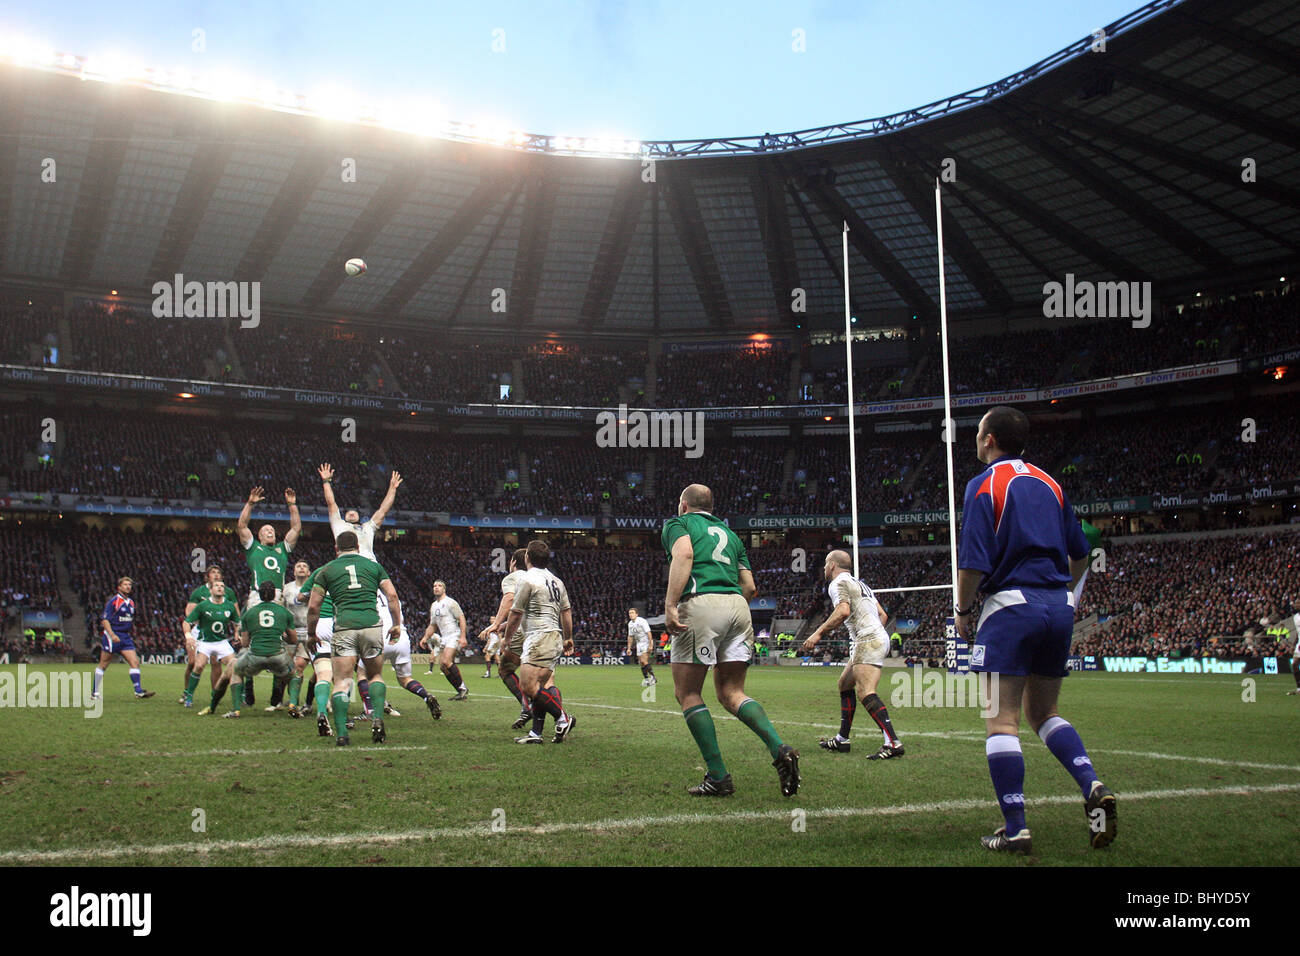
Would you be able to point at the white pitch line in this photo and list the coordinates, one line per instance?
(303, 840)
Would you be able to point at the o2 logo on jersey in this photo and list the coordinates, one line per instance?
(705, 653)
(271, 563)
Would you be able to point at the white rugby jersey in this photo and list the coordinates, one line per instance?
(509, 585)
(365, 532)
(541, 596)
(445, 616)
(638, 629)
(299, 611)
(863, 621)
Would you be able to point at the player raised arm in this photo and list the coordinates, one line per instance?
(245, 535)
(326, 472)
(378, 517)
(295, 519)
(838, 617)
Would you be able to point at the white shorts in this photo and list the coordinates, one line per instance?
(445, 642)
(871, 649)
(642, 646)
(399, 654)
(221, 649)
(493, 644)
(719, 630)
(324, 631)
(254, 599)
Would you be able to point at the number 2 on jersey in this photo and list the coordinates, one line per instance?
(722, 543)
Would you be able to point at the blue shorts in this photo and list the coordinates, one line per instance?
(1024, 631)
(115, 647)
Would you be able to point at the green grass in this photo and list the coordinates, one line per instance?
(122, 789)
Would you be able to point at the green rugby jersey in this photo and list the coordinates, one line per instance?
(326, 605)
(216, 621)
(267, 564)
(719, 554)
(352, 580)
(266, 624)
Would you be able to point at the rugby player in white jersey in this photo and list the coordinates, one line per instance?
(350, 520)
(542, 597)
(302, 654)
(510, 654)
(448, 629)
(855, 606)
(638, 635)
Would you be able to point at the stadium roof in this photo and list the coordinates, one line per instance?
(1118, 165)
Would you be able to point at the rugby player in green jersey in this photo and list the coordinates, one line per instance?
(198, 594)
(267, 635)
(267, 558)
(217, 620)
(706, 609)
(353, 581)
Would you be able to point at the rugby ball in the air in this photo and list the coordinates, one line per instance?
(354, 267)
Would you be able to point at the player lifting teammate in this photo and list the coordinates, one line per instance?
(352, 582)
(447, 623)
(706, 610)
(541, 597)
(116, 623)
(267, 637)
(638, 634)
(267, 558)
(855, 605)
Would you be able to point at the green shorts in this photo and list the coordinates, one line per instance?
(247, 663)
(364, 642)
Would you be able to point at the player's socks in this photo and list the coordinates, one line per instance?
(1007, 771)
(753, 716)
(295, 690)
(135, 679)
(645, 671)
(322, 694)
(277, 691)
(190, 685)
(650, 671)
(236, 696)
(311, 682)
(378, 692)
(340, 702)
(1067, 747)
(189, 671)
(549, 701)
(880, 714)
(512, 684)
(539, 720)
(363, 688)
(848, 707)
(218, 692)
(249, 698)
(700, 723)
(559, 698)
(99, 681)
(416, 688)
(454, 679)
